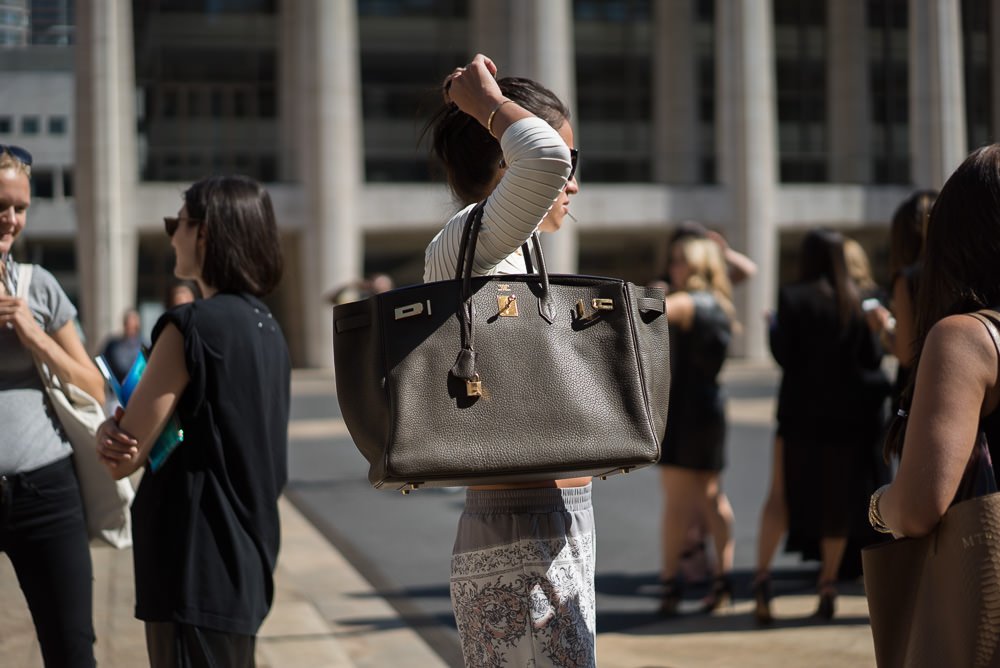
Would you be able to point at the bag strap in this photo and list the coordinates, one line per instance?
(979, 477)
(24, 272)
(465, 364)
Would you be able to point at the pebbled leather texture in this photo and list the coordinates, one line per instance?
(935, 600)
(582, 395)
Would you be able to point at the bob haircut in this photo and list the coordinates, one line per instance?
(242, 246)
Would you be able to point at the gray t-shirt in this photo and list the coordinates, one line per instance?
(31, 436)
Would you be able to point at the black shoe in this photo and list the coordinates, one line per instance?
(670, 597)
(762, 600)
(721, 594)
(827, 601)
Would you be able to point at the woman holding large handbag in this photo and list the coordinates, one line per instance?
(42, 524)
(522, 570)
(952, 402)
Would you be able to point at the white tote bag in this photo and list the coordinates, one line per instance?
(106, 501)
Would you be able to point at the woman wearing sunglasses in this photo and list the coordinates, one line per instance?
(42, 526)
(522, 569)
(205, 520)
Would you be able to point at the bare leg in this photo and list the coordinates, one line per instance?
(774, 516)
(676, 484)
(832, 551)
(719, 514)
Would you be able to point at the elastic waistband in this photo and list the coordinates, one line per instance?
(532, 500)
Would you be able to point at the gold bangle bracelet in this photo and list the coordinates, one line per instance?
(489, 121)
(874, 515)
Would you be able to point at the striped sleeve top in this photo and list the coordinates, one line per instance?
(538, 163)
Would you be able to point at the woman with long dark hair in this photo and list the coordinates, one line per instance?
(828, 418)
(954, 390)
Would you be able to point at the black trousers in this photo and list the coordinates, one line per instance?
(172, 645)
(43, 532)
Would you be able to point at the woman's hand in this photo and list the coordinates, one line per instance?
(474, 88)
(115, 446)
(15, 314)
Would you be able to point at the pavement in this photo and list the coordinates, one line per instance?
(327, 615)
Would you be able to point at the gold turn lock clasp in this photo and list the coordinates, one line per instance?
(507, 304)
(473, 387)
(598, 304)
(411, 310)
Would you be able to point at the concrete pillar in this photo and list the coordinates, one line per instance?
(330, 146)
(747, 121)
(937, 93)
(106, 176)
(535, 39)
(848, 93)
(676, 152)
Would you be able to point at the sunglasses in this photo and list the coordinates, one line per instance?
(17, 152)
(171, 223)
(574, 156)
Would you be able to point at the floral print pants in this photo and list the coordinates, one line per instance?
(522, 578)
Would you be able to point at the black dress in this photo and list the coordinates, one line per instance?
(205, 525)
(830, 413)
(696, 419)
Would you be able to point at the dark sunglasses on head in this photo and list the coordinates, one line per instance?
(171, 223)
(17, 152)
(574, 156)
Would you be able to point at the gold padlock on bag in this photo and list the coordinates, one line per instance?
(473, 387)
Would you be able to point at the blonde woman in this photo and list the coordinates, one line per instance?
(700, 314)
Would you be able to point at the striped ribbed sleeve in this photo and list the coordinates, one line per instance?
(538, 163)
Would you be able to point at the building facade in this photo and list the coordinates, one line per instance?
(759, 118)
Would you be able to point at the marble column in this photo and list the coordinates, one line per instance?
(938, 139)
(849, 97)
(676, 152)
(105, 165)
(330, 148)
(746, 121)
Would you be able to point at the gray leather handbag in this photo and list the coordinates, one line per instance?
(503, 379)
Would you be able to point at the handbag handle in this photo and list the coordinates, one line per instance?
(465, 364)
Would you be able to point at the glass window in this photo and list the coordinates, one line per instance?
(30, 125)
(800, 77)
(399, 89)
(199, 64)
(976, 59)
(614, 88)
(42, 184)
(889, 81)
(6, 125)
(57, 125)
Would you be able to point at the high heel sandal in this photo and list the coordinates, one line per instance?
(670, 596)
(721, 594)
(827, 600)
(762, 600)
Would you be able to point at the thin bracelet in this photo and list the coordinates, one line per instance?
(489, 121)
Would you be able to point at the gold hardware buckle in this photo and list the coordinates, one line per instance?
(411, 310)
(507, 305)
(603, 304)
